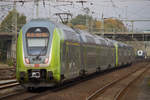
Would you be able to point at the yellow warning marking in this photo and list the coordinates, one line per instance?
(70, 43)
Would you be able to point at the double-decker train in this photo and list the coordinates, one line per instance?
(49, 53)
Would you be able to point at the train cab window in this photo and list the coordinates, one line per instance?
(37, 41)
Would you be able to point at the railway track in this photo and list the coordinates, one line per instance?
(54, 92)
(8, 84)
(116, 89)
(8, 68)
(25, 95)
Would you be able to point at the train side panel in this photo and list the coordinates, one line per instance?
(19, 64)
(55, 56)
(71, 56)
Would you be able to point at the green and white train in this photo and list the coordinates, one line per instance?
(50, 53)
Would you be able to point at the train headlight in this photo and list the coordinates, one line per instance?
(46, 60)
(27, 61)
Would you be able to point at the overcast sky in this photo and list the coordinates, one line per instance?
(122, 9)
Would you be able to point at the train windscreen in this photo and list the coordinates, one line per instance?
(37, 41)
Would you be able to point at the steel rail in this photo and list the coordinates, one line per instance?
(8, 84)
(101, 90)
(7, 68)
(11, 94)
(122, 92)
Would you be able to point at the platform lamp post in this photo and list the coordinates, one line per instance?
(87, 11)
(132, 22)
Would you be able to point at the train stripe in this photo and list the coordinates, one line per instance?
(55, 61)
(19, 55)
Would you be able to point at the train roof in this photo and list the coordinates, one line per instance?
(97, 39)
(45, 21)
(86, 36)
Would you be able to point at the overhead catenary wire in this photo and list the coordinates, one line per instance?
(64, 9)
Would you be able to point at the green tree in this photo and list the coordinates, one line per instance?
(86, 22)
(81, 20)
(114, 25)
(7, 23)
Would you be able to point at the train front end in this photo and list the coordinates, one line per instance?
(38, 54)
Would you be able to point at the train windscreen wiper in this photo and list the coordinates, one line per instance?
(37, 57)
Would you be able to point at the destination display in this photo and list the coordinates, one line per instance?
(37, 34)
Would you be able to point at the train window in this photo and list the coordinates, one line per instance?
(70, 35)
(37, 40)
(90, 39)
(102, 42)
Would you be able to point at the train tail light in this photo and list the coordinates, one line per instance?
(46, 60)
(27, 60)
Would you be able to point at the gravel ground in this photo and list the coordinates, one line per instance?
(84, 89)
(113, 90)
(139, 90)
(81, 90)
(10, 90)
(144, 93)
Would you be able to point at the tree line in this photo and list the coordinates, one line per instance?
(7, 24)
(85, 22)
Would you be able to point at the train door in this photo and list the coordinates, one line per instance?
(66, 60)
(82, 68)
(102, 54)
(73, 58)
(72, 55)
(112, 56)
(102, 57)
(116, 54)
(91, 54)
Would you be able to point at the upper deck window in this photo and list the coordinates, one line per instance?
(90, 39)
